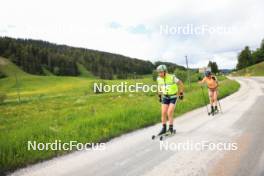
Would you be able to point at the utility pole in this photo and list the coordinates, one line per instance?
(17, 87)
(188, 71)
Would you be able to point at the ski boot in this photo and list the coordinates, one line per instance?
(171, 129)
(170, 132)
(163, 130)
(216, 109)
(212, 111)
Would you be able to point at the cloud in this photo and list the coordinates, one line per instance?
(132, 28)
(115, 25)
(138, 29)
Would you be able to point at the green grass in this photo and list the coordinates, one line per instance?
(254, 70)
(66, 109)
(84, 72)
(10, 69)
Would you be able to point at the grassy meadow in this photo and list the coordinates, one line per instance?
(65, 108)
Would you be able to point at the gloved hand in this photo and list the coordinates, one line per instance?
(181, 96)
(159, 98)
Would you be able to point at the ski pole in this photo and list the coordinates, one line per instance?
(205, 100)
(220, 107)
(176, 102)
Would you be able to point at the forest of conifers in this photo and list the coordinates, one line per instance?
(35, 55)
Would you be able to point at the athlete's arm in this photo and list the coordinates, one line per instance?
(215, 79)
(179, 83)
(181, 86)
(203, 81)
(159, 91)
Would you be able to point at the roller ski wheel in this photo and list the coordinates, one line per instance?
(167, 134)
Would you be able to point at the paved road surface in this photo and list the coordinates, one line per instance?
(241, 127)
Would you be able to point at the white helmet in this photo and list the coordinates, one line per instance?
(162, 68)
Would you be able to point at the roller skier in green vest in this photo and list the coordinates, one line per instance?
(168, 92)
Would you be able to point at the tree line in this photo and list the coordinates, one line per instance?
(213, 66)
(35, 55)
(247, 57)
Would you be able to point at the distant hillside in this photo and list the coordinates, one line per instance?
(7, 68)
(41, 57)
(225, 71)
(171, 66)
(254, 70)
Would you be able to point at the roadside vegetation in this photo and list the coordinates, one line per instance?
(247, 58)
(254, 70)
(49, 108)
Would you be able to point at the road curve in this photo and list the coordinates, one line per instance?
(241, 124)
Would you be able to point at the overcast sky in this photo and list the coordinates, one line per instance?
(150, 30)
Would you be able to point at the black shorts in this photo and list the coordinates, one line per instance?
(166, 100)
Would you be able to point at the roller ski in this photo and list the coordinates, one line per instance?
(214, 111)
(164, 133)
